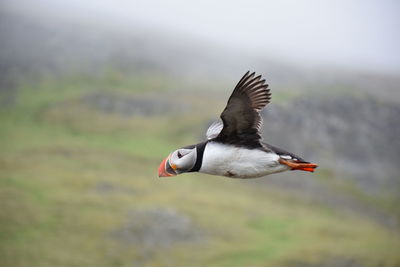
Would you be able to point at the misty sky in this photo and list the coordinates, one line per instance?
(352, 34)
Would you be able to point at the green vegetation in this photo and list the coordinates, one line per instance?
(70, 175)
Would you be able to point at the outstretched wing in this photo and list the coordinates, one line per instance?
(241, 117)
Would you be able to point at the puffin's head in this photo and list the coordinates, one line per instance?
(179, 161)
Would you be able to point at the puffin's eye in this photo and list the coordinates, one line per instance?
(179, 154)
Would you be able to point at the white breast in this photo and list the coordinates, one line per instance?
(239, 162)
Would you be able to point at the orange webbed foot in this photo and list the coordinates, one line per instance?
(301, 166)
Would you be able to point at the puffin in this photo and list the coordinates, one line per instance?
(234, 147)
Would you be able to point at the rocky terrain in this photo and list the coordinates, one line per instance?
(356, 137)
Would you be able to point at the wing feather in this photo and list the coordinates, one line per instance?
(214, 129)
(241, 117)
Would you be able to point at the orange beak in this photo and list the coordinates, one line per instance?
(165, 169)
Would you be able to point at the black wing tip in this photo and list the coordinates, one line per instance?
(254, 87)
(250, 76)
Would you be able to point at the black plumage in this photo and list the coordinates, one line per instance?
(241, 116)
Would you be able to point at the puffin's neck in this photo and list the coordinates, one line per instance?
(199, 159)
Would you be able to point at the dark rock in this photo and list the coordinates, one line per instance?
(132, 106)
(158, 228)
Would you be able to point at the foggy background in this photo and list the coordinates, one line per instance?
(94, 94)
(344, 34)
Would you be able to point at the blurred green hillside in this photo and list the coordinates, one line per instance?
(79, 187)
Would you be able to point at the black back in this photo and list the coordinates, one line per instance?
(282, 152)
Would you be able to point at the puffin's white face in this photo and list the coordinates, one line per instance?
(179, 161)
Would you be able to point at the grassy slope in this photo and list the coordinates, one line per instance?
(53, 157)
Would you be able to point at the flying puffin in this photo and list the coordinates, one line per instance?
(234, 146)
